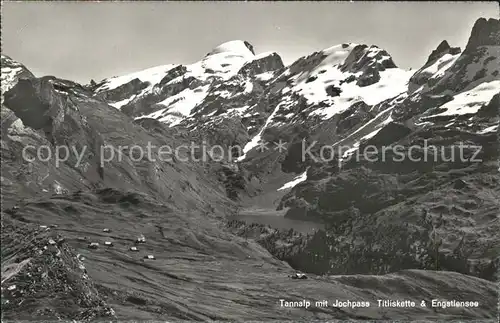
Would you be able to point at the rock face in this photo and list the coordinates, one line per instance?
(249, 46)
(369, 77)
(363, 57)
(331, 90)
(486, 32)
(399, 169)
(438, 60)
(42, 270)
(12, 71)
(45, 104)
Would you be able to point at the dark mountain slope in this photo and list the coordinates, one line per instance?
(202, 272)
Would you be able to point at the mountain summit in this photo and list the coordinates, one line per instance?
(486, 32)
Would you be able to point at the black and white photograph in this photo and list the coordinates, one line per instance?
(250, 161)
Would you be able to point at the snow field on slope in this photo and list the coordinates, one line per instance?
(257, 138)
(266, 76)
(392, 82)
(180, 104)
(9, 77)
(489, 129)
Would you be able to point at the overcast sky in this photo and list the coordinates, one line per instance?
(84, 40)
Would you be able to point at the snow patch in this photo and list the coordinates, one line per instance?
(224, 61)
(441, 65)
(178, 106)
(263, 55)
(371, 134)
(387, 121)
(118, 105)
(336, 54)
(58, 188)
(257, 138)
(185, 101)
(368, 123)
(152, 75)
(155, 115)
(491, 66)
(299, 179)
(392, 82)
(312, 84)
(248, 87)
(489, 129)
(351, 150)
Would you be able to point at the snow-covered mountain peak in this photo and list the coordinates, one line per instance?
(170, 93)
(352, 52)
(9, 62)
(449, 71)
(347, 58)
(223, 61)
(338, 53)
(438, 62)
(11, 72)
(367, 59)
(333, 79)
